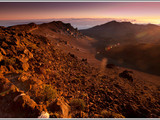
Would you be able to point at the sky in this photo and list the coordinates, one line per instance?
(137, 12)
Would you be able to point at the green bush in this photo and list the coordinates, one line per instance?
(48, 93)
(77, 104)
(109, 114)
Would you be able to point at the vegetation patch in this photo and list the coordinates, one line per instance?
(77, 104)
(109, 114)
(47, 93)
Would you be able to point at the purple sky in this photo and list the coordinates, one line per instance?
(142, 12)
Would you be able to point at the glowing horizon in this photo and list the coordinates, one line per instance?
(133, 20)
(136, 12)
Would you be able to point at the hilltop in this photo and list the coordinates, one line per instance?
(50, 67)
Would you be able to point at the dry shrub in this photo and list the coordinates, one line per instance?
(77, 104)
(109, 114)
(47, 93)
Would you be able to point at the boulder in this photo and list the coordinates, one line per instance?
(61, 107)
(110, 66)
(25, 66)
(3, 51)
(24, 76)
(85, 60)
(23, 58)
(72, 55)
(126, 74)
(28, 53)
(3, 69)
(132, 111)
(44, 115)
(4, 45)
(24, 103)
(1, 57)
(11, 68)
(55, 107)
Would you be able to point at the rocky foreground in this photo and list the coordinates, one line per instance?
(36, 77)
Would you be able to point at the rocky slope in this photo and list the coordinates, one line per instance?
(39, 73)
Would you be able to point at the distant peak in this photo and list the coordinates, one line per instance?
(109, 23)
(125, 22)
(116, 23)
(152, 25)
(32, 24)
(113, 21)
(59, 22)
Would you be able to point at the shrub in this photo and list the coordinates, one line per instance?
(106, 114)
(116, 115)
(48, 93)
(77, 104)
(109, 114)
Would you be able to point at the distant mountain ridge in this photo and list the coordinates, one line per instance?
(124, 32)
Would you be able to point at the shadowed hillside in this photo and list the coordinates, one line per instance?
(129, 45)
(142, 57)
